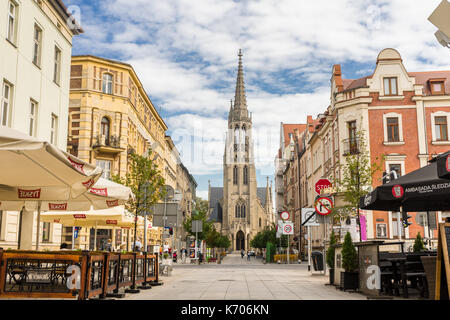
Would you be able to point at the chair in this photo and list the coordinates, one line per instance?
(412, 270)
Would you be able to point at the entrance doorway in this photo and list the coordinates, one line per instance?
(240, 240)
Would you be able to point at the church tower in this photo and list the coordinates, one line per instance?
(239, 169)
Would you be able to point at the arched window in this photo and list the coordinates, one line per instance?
(105, 127)
(236, 135)
(243, 211)
(245, 175)
(235, 175)
(107, 83)
(237, 211)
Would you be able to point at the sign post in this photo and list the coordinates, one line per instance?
(322, 184)
(324, 206)
(288, 229)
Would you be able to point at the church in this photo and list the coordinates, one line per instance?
(240, 209)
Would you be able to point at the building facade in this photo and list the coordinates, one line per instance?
(36, 48)
(404, 119)
(110, 116)
(240, 209)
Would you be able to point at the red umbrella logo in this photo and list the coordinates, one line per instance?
(397, 191)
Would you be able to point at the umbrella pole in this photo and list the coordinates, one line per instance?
(38, 226)
(95, 236)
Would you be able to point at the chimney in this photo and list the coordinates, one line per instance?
(337, 78)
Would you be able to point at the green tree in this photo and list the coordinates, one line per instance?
(358, 172)
(200, 212)
(349, 254)
(268, 234)
(142, 174)
(418, 243)
(331, 249)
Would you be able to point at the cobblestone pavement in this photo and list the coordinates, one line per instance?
(238, 278)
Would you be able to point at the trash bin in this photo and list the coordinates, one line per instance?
(317, 258)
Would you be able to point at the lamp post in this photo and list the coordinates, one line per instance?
(441, 19)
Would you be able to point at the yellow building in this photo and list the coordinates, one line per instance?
(110, 116)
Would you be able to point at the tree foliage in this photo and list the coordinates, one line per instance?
(269, 234)
(200, 212)
(142, 170)
(331, 250)
(349, 254)
(418, 243)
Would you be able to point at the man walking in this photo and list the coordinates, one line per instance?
(242, 253)
(248, 255)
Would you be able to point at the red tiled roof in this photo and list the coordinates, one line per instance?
(289, 128)
(354, 83)
(424, 77)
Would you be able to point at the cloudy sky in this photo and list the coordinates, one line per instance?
(185, 53)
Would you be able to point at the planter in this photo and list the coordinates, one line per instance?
(331, 270)
(429, 265)
(349, 280)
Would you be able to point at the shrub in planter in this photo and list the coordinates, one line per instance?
(349, 278)
(330, 256)
(418, 244)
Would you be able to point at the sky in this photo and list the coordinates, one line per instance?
(185, 54)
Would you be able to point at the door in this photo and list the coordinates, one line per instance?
(240, 240)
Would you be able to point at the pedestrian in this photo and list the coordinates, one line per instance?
(248, 255)
(108, 246)
(138, 245)
(242, 253)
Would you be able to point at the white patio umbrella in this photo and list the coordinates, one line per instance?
(103, 195)
(33, 170)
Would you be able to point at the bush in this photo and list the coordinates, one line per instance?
(330, 251)
(418, 244)
(349, 254)
(270, 251)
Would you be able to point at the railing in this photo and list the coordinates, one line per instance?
(109, 141)
(351, 146)
(74, 274)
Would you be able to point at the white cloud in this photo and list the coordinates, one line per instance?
(184, 52)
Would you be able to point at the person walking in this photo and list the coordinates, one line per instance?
(242, 253)
(248, 255)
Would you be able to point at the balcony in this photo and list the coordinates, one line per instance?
(351, 146)
(106, 144)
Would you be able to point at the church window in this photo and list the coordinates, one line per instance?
(243, 211)
(235, 175)
(237, 211)
(260, 222)
(245, 175)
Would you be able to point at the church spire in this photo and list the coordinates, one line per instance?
(240, 101)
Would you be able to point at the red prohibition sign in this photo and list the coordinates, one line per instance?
(326, 203)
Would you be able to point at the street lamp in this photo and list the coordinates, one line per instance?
(441, 19)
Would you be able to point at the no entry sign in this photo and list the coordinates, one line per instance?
(323, 206)
(322, 184)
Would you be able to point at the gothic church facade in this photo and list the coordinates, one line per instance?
(240, 209)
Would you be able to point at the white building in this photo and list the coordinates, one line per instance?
(35, 57)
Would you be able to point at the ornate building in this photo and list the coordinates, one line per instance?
(240, 209)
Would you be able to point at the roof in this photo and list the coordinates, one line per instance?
(216, 195)
(424, 77)
(66, 14)
(289, 128)
(350, 84)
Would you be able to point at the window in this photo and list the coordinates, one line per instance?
(395, 226)
(12, 13)
(57, 66)
(260, 222)
(37, 45)
(32, 118)
(392, 129)
(105, 127)
(46, 232)
(243, 211)
(5, 106)
(54, 129)
(437, 86)
(106, 166)
(237, 212)
(381, 230)
(235, 175)
(440, 125)
(390, 86)
(107, 83)
(245, 175)
(397, 168)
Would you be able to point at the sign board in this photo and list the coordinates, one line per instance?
(309, 215)
(197, 225)
(170, 207)
(443, 263)
(158, 221)
(323, 206)
(285, 215)
(288, 228)
(322, 184)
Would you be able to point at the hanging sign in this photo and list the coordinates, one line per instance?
(288, 228)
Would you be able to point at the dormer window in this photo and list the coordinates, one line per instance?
(390, 86)
(437, 86)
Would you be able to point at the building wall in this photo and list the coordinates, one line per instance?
(32, 82)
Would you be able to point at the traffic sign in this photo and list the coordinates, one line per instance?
(323, 206)
(288, 228)
(322, 184)
(285, 215)
(309, 215)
